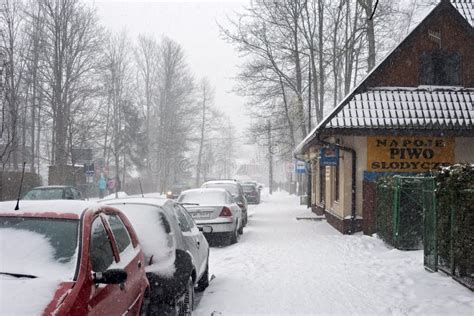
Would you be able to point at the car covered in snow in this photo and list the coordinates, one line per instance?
(216, 208)
(69, 258)
(235, 188)
(53, 192)
(176, 252)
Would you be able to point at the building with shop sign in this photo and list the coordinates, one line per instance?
(412, 113)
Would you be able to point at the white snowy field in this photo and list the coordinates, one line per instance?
(286, 266)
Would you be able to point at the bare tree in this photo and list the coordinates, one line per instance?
(147, 56)
(174, 112)
(205, 99)
(70, 49)
(118, 78)
(14, 68)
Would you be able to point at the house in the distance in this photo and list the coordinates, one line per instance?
(411, 114)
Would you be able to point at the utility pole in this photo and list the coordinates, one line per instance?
(308, 183)
(270, 157)
(309, 97)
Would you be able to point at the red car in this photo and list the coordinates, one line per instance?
(69, 258)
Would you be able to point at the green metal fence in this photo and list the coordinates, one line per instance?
(430, 240)
(454, 226)
(435, 214)
(399, 211)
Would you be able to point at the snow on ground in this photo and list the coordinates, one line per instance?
(286, 266)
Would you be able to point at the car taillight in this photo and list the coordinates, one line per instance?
(225, 212)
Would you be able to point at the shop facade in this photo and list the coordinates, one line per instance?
(412, 114)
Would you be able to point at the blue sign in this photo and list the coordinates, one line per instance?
(89, 169)
(300, 166)
(329, 156)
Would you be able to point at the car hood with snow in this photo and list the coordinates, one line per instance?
(32, 278)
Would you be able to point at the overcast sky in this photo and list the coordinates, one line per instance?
(193, 25)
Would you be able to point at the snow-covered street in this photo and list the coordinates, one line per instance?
(282, 265)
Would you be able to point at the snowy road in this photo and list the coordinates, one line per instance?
(286, 266)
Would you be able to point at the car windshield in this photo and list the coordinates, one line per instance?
(39, 247)
(45, 194)
(203, 197)
(232, 188)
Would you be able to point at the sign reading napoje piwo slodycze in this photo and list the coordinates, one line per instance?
(408, 154)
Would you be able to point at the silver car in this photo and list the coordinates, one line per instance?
(216, 208)
(169, 237)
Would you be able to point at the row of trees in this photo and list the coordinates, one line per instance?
(69, 84)
(303, 56)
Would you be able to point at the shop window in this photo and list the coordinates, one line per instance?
(440, 68)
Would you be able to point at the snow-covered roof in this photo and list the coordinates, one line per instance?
(206, 190)
(466, 8)
(139, 200)
(222, 181)
(74, 207)
(423, 108)
(53, 187)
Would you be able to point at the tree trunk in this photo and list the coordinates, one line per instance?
(201, 141)
(322, 73)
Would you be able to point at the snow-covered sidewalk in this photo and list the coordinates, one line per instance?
(282, 265)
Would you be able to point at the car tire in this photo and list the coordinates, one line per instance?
(245, 220)
(203, 283)
(187, 303)
(234, 236)
(241, 228)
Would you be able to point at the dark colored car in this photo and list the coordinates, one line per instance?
(235, 189)
(69, 258)
(53, 192)
(251, 192)
(175, 191)
(176, 252)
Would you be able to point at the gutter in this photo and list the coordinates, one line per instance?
(354, 160)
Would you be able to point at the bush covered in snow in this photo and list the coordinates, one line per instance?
(455, 221)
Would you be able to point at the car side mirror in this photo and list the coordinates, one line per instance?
(111, 276)
(240, 204)
(206, 229)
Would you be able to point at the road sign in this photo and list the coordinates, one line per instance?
(300, 166)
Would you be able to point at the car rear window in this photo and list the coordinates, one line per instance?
(248, 188)
(45, 194)
(39, 246)
(203, 197)
(232, 188)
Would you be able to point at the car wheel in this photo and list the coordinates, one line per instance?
(234, 236)
(203, 283)
(241, 229)
(245, 219)
(187, 304)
